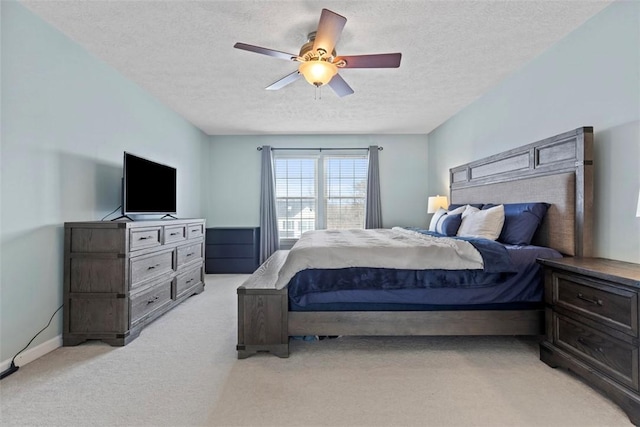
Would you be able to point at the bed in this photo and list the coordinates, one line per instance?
(557, 170)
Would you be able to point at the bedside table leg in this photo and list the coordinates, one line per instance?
(547, 356)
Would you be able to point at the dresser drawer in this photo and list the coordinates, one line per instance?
(231, 251)
(96, 275)
(616, 358)
(175, 233)
(230, 265)
(195, 230)
(190, 253)
(148, 237)
(609, 305)
(91, 315)
(233, 236)
(150, 299)
(146, 267)
(96, 240)
(186, 281)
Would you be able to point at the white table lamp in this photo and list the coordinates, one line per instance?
(437, 202)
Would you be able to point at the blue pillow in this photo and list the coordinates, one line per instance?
(521, 220)
(456, 205)
(449, 224)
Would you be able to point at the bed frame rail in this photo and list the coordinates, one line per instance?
(390, 323)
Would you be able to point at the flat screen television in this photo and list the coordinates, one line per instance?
(148, 187)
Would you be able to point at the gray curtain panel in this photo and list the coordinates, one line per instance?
(373, 210)
(269, 242)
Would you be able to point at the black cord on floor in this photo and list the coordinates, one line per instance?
(111, 213)
(13, 368)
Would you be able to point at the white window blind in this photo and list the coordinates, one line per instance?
(323, 191)
(345, 191)
(296, 195)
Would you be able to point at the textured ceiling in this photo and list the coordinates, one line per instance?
(182, 53)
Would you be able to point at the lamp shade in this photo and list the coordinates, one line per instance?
(318, 72)
(437, 202)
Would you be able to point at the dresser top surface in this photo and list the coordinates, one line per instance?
(133, 224)
(248, 227)
(607, 269)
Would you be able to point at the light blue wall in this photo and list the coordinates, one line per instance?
(67, 118)
(590, 78)
(234, 189)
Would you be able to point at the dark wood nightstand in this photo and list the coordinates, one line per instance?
(592, 321)
(232, 250)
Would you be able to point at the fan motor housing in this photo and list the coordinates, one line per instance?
(308, 54)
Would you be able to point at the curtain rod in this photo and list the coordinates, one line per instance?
(320, 149)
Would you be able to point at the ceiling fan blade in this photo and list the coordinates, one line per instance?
(288, 79)
(339, 86)
(329, 30)
(383, 60)
(265, 51)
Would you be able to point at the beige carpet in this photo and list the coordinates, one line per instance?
(434, 381)
(182, 370)
(169, 376)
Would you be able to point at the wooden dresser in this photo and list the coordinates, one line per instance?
(592, 321)
(119, 276)
(232, 250)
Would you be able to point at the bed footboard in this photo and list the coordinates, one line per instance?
(263, 311)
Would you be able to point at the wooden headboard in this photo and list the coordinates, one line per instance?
(556, 170)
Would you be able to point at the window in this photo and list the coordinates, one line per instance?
(345, 191)
(319, 192)
(295, 194)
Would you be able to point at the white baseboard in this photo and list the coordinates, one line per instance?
(32, 354)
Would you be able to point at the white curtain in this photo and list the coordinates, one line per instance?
(269, 242)
(373, 209)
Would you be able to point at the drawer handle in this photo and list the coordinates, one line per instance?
(152, 300)
(190, 253)
(153, 266)
(594, 301)
(587, 344)
(144, 237)
(195, 230)
(174, 234)
(188, 281)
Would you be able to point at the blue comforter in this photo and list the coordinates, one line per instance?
(496, 260)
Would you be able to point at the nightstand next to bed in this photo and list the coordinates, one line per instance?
(592, 325)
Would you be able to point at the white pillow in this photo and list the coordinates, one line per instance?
(459, 210)
(440, 212)
(482, 223)
(436, 217)
(469, 210)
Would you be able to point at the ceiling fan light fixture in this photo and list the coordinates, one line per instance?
(318, 60)
(318, 72)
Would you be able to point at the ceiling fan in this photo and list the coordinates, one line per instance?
(318, 60)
